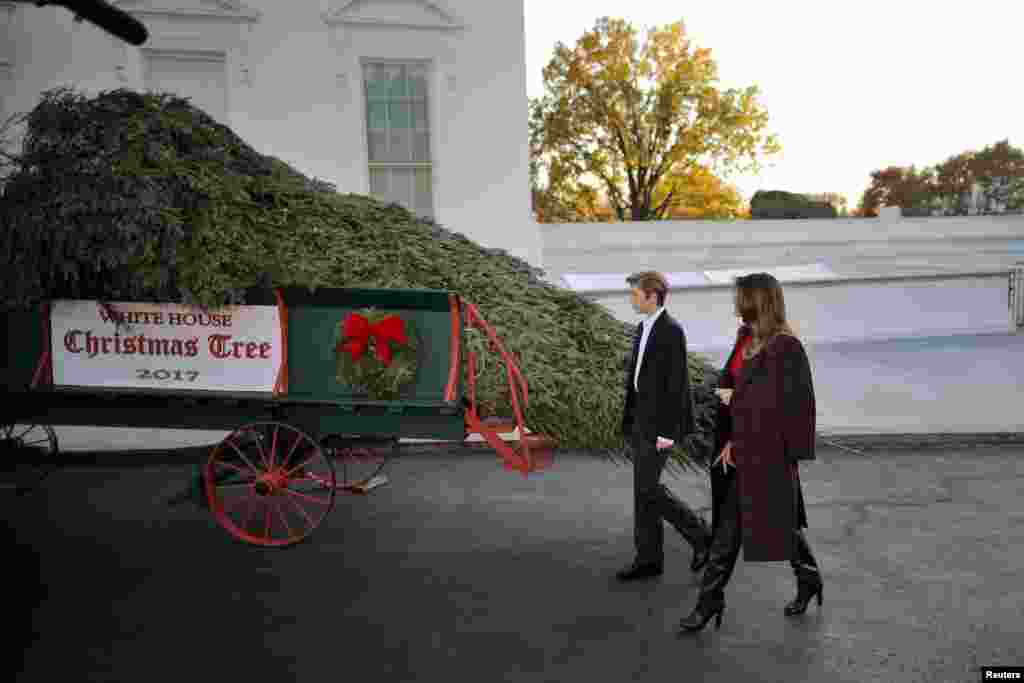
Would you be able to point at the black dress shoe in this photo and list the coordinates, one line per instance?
(639, 571)
(700, 558)
(701, 615)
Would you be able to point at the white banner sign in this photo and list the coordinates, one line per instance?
(165, 346)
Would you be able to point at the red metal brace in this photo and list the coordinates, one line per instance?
(44, 368)
(528, 458)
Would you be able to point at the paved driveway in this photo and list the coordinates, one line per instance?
(459, 570)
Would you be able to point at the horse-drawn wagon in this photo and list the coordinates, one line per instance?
(303, 380)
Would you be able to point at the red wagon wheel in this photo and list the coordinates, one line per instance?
(359, 460)
(19, 441)
(269, 484)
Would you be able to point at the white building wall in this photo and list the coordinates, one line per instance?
(294, 86)
(6, 59)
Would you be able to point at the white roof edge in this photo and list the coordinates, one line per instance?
(605, 282)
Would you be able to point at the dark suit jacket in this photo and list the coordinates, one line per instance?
(664, 403)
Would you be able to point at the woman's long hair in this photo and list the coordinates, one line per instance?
(759, 302)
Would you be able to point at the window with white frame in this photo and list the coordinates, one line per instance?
(398, 135)
(199, 75)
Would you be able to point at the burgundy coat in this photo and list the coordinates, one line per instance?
(773, 427)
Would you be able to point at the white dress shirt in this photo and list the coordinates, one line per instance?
(648, 324)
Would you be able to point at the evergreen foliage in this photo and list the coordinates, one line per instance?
(131, 196)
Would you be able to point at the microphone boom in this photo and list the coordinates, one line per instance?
(111, 19)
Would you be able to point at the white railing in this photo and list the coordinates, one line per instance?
(1017, 294)
(843, 309)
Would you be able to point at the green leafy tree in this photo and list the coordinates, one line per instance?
(999, 171)
(955, 178)
(635, 119)
(910, 188)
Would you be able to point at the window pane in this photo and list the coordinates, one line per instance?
(401, 114)
(424, 193)
(378, 150)
(401, 190)
(400, 145)
(378, 80)
(377, 115)
(384, 80)
(203, 80)
(418, 113)
(379, 182)
(421, 146)
(398, 84)
(418, 80)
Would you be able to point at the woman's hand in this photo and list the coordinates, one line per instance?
(724, 395)
(725, 457)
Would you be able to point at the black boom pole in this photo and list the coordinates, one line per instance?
(111, 19)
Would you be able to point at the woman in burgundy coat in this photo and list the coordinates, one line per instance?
(765, 426)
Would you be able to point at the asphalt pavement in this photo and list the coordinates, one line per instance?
(460, 570)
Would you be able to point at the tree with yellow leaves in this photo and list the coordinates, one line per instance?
(644, 122)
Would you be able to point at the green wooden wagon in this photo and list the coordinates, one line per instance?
(277, 373)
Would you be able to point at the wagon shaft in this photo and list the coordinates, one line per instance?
(534, 451)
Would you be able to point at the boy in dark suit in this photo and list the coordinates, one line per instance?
(658, 413)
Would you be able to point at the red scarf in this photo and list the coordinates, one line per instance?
(737, 359)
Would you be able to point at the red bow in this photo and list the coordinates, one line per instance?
(358, 330)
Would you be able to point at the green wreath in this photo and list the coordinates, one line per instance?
(359, 361)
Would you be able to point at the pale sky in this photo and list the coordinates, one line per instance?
(850, 87)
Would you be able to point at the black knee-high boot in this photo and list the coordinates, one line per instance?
(725, 550)
(808, 577)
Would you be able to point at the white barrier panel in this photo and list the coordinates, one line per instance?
(1017, 296)
(858, 310)
(813, 271)
(602, 282)
(611, 282)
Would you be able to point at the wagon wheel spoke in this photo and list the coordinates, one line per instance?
(251, 440)
(295, 444)
(281, 516)
(275, 513)
(241, 455)
(246, 506)
(234, 494)
(36, 441)
(273, 447)
(302, 511)
(231, 466)
(291, 472)
(260, 439)
(360, 463)
(307, 498)
(230, 505)
(248, 512)
(236, 485)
